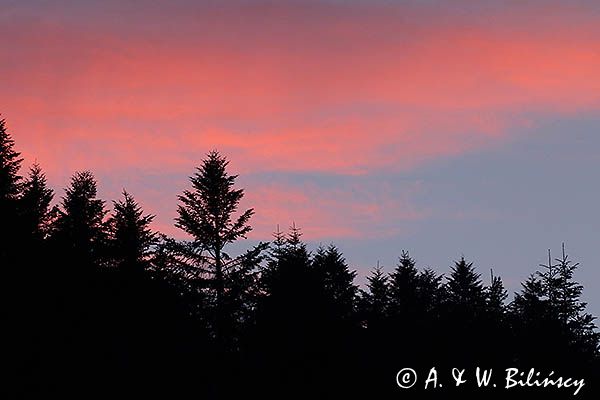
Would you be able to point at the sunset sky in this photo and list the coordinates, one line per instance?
(444, 128)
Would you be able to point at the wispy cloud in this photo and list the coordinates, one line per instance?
(344, 88)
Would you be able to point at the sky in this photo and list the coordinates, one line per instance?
(447, 129)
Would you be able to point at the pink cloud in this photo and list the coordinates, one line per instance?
(321, 88)
(305, 107)
(325, 214)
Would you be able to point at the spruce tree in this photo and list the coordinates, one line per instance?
(536, 330)
(465, 289)
(464, 309)
(568, 291)
(375, 300)
(431, 294)
(10, 188)
(34, 204)
(207, 213)
(79, 228)
(530, 303)
(289, 264)
(338, 281)
(130, 235)
(297, 331)
(404, 281)
(571, 310)
(495, 297)
(10, 164)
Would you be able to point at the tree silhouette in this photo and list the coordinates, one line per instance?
(548, 314)
(375, 300)
(529, 306)
(568, 292)
(106, 304)
(431, 293)
(304, 324)
(495, 297)
(338, 281)
(206, 212)
(564, 297)
(10, 187)
(404, 282)
(10, 163)
(465, 289)
(130, 236)
(34, 204)
(79, 227)
(463, 322)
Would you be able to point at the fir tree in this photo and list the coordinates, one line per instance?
(530, 303)
(431, 293)
(338, 280)
(289, 260)
(206, 212)
(495, 297)
(34, 204)
(404, 286)
(10, 188)
(465, 289)
(568, 292)
(375, 300)
(130, 235)
(79, 228)
(10, 163)
(536, 330)
(549, 280)
(571, 310)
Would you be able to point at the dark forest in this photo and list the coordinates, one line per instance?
(97, 304)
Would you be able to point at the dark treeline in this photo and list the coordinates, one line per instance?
(96, 304)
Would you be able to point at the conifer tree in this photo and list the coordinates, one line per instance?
(465, 289)
(130, 235)
(375, 300)
(297, 330)
(530, 303)
(277, 244)
(10, 188)
(206, 212)
(34, 204)
(495, 297)
(79, 227)
(464, 314)
(549, 280)
(431, 294)
(294, 239)
(535, 326)
(568, 292)
(571, 310)
(404, 286)
(10, 163)
(289, 263)
(338, 280)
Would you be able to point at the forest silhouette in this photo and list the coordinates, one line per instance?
(97, 304)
